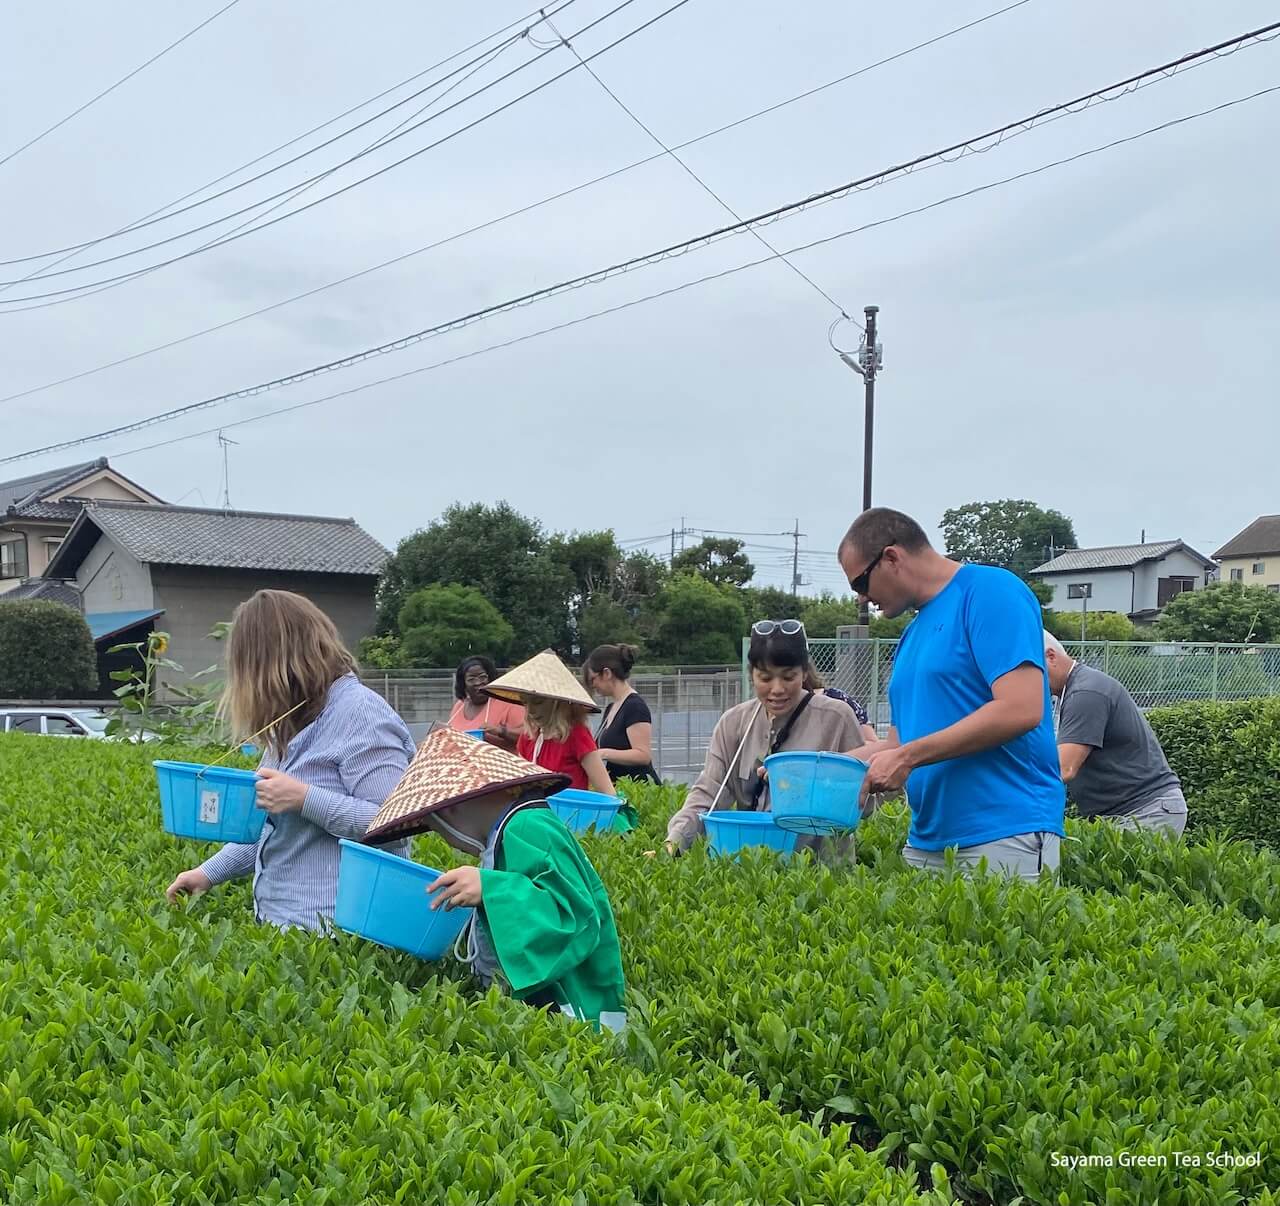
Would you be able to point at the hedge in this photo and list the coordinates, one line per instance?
(1228, 758)
(46, 652)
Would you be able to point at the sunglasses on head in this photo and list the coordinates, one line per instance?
(766, 628)
(862, 583)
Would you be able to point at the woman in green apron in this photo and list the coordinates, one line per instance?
(543, 924)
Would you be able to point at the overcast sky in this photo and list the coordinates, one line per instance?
(1101, 338)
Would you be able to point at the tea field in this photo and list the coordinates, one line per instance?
(797, 1033)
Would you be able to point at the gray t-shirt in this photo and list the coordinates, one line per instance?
(1126, 767)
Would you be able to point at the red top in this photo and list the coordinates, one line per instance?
(563, 757)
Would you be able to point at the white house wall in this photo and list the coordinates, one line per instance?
(111, 579)
(1112, 590)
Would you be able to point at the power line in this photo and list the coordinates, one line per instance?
(129, 227)
(956, 151)
(231, 238)
(698, 180)
(165, 213)
(481, 226)
(715, 276)
(124, 79)
(981, 188)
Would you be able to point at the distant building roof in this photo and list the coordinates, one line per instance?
(1116, 556)
(46, 591)
(1260, 537)
(29, 497)
(202, 536)
(29, 489)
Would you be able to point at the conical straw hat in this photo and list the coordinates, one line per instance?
(544, 675)
(450, 768)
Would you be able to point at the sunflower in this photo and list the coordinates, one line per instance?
(159, 643)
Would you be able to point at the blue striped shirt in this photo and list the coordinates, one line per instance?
(351, 757)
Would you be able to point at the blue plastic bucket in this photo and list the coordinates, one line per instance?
(815, 792)
(581, 810)
(728, 832)
(478, 734)
(218, 805)
(384, 898)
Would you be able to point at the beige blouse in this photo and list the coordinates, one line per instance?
(825, 724)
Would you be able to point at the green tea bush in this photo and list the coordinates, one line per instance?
(797, 1033)
(189, 1055)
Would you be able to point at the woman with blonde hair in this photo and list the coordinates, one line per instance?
(333, 752)
(556, 736)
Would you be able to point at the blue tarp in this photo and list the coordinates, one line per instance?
(104, 624)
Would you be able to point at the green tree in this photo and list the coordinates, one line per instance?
(771, 603)
(718, 559)
(1224, 611)
(605, 622)
(46, 652)
(699, 623)
(500, 553)
(1014, 533)
(1099, 626)
(380, 653)
(822, 616)
(443, 624)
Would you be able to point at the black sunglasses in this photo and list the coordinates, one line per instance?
(862, 583)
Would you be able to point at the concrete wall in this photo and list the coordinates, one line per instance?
(1269, 577)
(111, 579)
(194, 600)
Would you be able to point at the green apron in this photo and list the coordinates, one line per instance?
(547, 917)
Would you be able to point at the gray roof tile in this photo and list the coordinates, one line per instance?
(1115, 556)
(166, 535)
(46, 590)
(1261, 536)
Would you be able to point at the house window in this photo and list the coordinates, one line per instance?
(13, 558)
(1168, 588)
(1237, 575)
(1274, 588)
(1259, 567)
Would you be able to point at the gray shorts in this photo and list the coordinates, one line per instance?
(1023, 855)
(1166, 812)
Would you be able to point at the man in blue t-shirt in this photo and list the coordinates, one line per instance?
(972, 738)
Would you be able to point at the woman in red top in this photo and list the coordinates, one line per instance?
(555, 732)
(556, 737)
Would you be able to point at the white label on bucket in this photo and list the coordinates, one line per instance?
(209, 801)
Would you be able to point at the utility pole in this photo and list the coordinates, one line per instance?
(795, 560)
(869, 361)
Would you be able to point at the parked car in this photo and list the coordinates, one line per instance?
(59, 722)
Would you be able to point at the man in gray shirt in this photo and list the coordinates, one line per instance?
(1111, 761)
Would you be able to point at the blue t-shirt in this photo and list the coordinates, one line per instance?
(984, 623)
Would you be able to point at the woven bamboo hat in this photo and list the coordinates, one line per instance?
(452, 768)
(544, 675)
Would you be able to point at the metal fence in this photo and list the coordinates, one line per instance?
(685, 704)
(1154, 674)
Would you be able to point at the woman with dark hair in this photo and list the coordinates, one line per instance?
(501, 721)
(625, 734)
(813, 681)
(784, 714)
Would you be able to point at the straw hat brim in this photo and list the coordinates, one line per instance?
(542, 677)
(451, 768)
